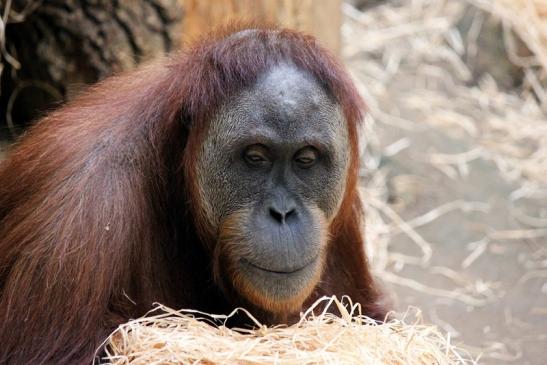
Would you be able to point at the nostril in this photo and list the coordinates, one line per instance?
(290, 213)
(281, 217)
(277, 215)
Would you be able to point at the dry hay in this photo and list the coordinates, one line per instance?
(166, 336)
(528, 19)
(408, 59)
(418, 42)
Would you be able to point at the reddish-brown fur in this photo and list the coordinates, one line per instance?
(96, 201)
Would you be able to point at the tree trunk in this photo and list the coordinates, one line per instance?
(60, 46)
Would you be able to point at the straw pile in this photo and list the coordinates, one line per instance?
(409, 60)
(167, 336)
(414, 66)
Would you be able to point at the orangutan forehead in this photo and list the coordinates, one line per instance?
(284, 103)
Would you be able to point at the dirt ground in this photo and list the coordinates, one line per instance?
(508, 323)
(456, 227)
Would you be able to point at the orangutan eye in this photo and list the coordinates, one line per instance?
(256, 155)
(306, 157)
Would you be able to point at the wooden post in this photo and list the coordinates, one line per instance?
(321, 18)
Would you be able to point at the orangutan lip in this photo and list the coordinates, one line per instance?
(247, 262)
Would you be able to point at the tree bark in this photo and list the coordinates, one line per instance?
(63, 45)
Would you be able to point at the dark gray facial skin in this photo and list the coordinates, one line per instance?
(275, 157)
